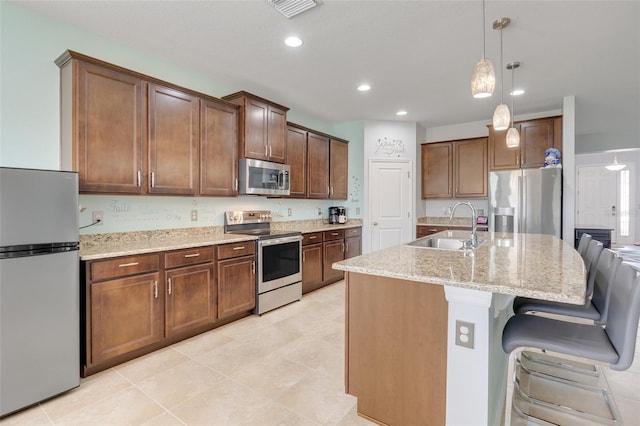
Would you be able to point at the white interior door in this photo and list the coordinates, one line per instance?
(603, 200)
(390, 203)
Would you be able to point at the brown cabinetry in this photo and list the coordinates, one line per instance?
(311, 261)
(317, 166)
(263, 127)
(236, 278)
(218, 149)
(338, 170)
(124, 307)
(352, 242)
(423, 231)
(536, 136)
(191, 298)
(455, 169)
(128, 133)
(332, 251)
(296, 158)
(173, 141)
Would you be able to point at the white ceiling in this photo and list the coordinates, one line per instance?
(416, 55)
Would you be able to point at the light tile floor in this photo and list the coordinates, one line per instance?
(283, 368)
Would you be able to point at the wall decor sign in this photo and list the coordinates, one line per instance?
(389, 147)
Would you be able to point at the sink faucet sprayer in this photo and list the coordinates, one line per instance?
(474, 220)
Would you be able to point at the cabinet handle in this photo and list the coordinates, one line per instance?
(236, 187)
(270, 151)
(253, 267)
(239, 248)
(347, 249)
(153, 179)
(169, 286)
(139, 178)
(343, 248)
(266, 152)
(155, 289)
(331, 191)
(192, 255)
(334, 234)
(124, 265)
(313, 237)
(328, 192)
(304, 258)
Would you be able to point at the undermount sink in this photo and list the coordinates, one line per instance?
(443, 243)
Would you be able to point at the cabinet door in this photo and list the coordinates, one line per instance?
(338, 170)
(236, 285)
(297, 160)
(311, 267)
(333, 251)
(536, 136)
(126, 314)
(471, 168)
(437, 170)
(173, 141)
(277, 134)
(256, 125)
(352, 247)
(218, 149)
(317, 166)
(191, 298)
(501, 157)
(109, 124)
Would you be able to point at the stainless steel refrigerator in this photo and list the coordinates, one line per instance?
(526, 201)
(39, 289)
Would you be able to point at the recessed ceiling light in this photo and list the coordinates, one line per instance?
(401, 112)
(364, 87)
(517, 92)
(293, 41)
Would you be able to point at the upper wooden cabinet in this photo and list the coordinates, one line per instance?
(317, 166)
(456, 169)
(296, 158)
(263, 127)
(536, 136)
(103, 126)
(173, 141)
(218, 149)
(128, 133)
(338, 170)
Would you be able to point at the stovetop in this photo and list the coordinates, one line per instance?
(253, 222)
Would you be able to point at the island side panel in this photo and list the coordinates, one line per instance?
(396, 349)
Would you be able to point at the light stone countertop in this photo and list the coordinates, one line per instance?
(103, 246)
(529, 265)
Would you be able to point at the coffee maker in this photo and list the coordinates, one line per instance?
(333, 215)
(342, 215)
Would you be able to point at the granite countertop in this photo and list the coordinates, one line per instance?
(102, 246)
(444, 221)
(529, 265)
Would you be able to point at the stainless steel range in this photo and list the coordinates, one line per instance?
(279, 258)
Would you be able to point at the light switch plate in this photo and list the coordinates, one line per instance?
(464, 334)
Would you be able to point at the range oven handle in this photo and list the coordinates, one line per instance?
(281, 240)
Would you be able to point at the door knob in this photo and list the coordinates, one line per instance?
(375, 223)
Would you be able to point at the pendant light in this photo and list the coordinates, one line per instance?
(513, 136)
(501, 116)
(615, 166)
(483, 80)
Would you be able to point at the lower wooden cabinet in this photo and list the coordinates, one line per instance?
(352, 242)
(126, 314)
(423, 231)
(236, 285)
(191, 299)
(311, 267)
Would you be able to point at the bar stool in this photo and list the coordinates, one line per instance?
(596, 308)
(612, 345)
(584, 243)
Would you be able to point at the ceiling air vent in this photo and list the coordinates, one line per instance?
(290, 8)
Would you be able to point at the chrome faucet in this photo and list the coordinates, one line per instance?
(474, 220)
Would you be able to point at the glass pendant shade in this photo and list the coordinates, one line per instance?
(615, 166)
(501, 117)
(483, 81)
(513, 137)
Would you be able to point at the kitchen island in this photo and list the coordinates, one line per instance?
(424, 326)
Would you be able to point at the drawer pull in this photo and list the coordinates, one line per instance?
(155, 289)
(124, 265)
(169, 286)
(313, 237)
(239, 248)
(192, 255)
(334, 233)
(253, 267)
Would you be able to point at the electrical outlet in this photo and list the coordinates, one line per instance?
(289, 212)
(358, 211)
(98, 218)
(319, 211)
(464, 334)
(194, 215)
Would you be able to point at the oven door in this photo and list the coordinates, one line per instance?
(279, 262)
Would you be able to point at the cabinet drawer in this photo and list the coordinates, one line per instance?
(337, 234)
(185, 257)
(352, 232)
(243, 248)
(424, 230)
(123, 266)
(311, 238)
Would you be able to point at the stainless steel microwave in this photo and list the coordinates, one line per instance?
(257, 177)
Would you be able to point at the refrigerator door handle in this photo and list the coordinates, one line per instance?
(523, 190)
